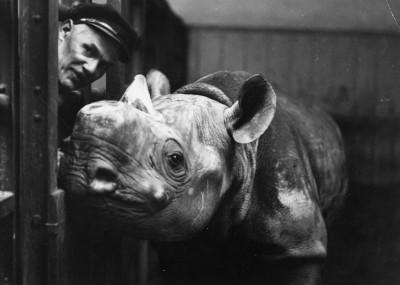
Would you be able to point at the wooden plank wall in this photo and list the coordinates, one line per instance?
(354, 76)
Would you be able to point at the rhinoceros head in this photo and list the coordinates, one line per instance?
(159, 169)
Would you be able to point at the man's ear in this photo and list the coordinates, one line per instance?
(250, 116)
(66, 29)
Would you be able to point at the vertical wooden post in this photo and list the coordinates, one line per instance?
(38, 135)
(115, 79)
(56, 274)
(8, 145)
(136, 15)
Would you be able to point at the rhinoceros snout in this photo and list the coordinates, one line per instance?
(150, 195)
(156, 192)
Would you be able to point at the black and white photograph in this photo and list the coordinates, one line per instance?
(201, 142)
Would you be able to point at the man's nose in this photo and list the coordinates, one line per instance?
(91, 67)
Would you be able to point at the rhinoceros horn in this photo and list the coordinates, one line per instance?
(137, 95)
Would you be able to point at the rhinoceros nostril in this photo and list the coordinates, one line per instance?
(104, 181)
(105, 174)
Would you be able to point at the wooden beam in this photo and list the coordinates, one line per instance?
(138, 22)
(7, 92)
(8, 131)
(115, 78)
(57, 273)
(38, 135)
(6, 250)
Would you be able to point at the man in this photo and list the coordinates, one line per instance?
(91, 38)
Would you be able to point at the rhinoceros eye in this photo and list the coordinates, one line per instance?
(174, 161)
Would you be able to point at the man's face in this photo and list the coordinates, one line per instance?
(83, 55)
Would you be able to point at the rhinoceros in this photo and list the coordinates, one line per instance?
(230, 183)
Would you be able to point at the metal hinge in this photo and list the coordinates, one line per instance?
(56, 218)
(54, 228)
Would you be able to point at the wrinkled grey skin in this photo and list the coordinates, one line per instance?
(230, 184)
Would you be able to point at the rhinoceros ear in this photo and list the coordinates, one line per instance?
(252, 113)
(138, 96)
(158, 83)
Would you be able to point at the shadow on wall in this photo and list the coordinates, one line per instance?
(364, 243)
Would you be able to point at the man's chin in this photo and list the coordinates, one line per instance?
(67, 86)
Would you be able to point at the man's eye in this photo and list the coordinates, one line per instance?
(89, 50)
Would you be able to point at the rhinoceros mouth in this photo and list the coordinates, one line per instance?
(128, 196)
(134, 198)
